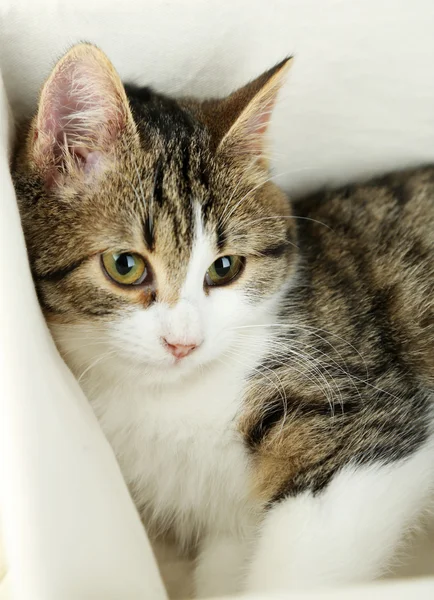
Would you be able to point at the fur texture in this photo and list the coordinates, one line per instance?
(293, 446)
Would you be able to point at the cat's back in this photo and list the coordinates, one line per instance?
(396, 205)
(373, 244)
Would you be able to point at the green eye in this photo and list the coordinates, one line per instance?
(224, 270)
(126, 268)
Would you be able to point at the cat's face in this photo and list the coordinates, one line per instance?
(155, 237)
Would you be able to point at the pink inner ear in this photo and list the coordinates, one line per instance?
(80, 114)
(257, 126)
(263, 119)
(90, 161)
(61, 111)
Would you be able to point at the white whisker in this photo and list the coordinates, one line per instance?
(104, 356)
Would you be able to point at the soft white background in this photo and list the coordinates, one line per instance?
(359, 100)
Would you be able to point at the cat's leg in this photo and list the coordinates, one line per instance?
(221, 565)
(349, 532)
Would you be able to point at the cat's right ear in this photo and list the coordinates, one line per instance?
(239, 122)
(83, 110)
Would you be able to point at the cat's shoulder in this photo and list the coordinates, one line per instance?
(395, 200)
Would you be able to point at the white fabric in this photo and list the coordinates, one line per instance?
(359, 100)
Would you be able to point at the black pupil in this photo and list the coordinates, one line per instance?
(124, 263)
(222, 266)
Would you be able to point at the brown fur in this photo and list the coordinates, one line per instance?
(60, 221)
(362, 314)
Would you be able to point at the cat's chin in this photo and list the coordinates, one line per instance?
(175, 372)
(146, 372)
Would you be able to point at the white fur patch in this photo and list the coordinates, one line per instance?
(348, 533)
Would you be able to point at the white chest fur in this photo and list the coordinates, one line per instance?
(179, 450)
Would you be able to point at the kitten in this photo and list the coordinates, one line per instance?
(265, 374)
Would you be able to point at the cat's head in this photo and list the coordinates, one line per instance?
(155, 235)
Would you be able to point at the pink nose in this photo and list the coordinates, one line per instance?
(179, 350)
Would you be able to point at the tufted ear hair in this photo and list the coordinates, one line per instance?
(82, 111)
(238, 123)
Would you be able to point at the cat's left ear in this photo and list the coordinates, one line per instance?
(83, 111)
(244, 116)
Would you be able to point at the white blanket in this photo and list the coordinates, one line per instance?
(360, 100)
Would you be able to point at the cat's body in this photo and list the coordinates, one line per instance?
(366, 353)
(294, 445)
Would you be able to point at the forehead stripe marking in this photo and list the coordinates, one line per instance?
(186, 167)
(221, 237)
(157, 192)
(148, 234)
